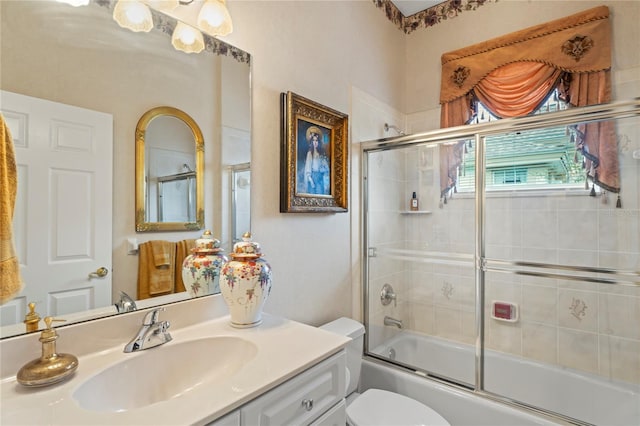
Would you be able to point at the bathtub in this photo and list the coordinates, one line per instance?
(582, 396)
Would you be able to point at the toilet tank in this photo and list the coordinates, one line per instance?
(354, 330)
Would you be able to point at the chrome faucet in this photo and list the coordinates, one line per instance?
(152, 333)
(126, 303)
(392, 321)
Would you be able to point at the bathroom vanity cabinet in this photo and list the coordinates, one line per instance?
(211, 374)
(314, 397)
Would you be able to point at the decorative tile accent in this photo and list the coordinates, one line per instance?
(448, 9)
(578, 308)
(447, 290)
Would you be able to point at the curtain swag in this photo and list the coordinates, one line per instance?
(513, 74)
(579, 43)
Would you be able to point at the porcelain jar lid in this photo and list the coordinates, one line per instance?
(207, 243)
(246, 248)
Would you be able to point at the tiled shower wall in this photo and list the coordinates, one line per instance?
(586, 326)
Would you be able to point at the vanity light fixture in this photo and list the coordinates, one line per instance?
(214, 18)
(133, 15)
(187, 39)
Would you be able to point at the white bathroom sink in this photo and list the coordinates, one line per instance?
(164, 372)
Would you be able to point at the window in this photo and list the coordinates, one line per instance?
(509, 175)
(535, 159)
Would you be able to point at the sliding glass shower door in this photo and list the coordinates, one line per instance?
(522, 284)
(420, 264)
(565, 259)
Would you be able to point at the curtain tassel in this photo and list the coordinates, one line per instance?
(593, 191)
(619, 202)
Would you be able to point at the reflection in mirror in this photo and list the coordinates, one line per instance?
(81, 59)
(169, 171)
(241, 200)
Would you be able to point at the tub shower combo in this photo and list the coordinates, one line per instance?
(520, 286)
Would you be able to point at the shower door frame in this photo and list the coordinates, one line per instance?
(482, 264)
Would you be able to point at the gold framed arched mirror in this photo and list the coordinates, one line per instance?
(169, 171)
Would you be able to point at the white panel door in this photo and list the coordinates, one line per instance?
(62, 222)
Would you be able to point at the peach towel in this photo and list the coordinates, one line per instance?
(183, 249)
(162, 253)
(155, 280)
(10, 278)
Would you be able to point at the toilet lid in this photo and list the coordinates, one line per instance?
(383, 408)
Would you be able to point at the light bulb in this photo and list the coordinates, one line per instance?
(187, 39)
(214, 18)
(136, 13)
(212, 13)
(133, 15)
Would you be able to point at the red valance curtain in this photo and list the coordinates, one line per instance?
(512, 75)
(517, 89)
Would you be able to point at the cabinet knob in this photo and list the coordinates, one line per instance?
(307, 404)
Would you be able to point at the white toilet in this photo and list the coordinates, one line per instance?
(376, 406)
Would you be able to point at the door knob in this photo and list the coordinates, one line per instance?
(100, 272)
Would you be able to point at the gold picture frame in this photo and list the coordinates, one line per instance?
(314, 155)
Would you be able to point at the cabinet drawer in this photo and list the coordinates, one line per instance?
(336, 416)
(302, 399)
(231, 419)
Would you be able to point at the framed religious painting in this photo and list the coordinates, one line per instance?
(314, 155)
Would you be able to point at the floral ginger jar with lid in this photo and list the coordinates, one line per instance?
(201, 269)
(245, 283)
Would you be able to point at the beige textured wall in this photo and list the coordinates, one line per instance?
(319, 50)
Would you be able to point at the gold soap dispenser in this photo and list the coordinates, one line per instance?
(51, 367)
(32, 319)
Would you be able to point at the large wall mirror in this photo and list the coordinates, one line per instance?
(80, 59)
(169, 171)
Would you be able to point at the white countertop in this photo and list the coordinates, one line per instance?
(285, 349)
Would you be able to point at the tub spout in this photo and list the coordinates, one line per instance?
(392, 321)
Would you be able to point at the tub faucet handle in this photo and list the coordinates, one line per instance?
(387, 295)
